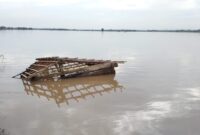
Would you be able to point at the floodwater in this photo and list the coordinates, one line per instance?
(156, 92)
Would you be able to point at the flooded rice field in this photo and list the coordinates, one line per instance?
(156, 92)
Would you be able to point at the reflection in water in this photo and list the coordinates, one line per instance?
(140, 120)
(194, 93)
(158, 112)
(3, 132)
(72, 89)
(1, 56)
(2, 66)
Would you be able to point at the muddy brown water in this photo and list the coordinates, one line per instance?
(156, 92)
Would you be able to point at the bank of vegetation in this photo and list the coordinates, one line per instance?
(101, 30)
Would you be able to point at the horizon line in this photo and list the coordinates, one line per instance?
(101, 29)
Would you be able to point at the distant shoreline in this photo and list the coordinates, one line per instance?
(97, 30)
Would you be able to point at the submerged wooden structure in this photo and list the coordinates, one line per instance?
(76, 89)
(67, 67)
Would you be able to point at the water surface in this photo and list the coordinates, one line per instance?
(156, 92)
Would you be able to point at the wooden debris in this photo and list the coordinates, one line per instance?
(67, 67)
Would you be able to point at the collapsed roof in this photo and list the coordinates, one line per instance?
(67, 67)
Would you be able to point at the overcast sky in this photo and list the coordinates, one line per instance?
(125, 14)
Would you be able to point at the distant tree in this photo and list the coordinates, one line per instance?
(102, 29)
(2, 27)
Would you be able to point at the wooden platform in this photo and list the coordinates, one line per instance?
(67, 67)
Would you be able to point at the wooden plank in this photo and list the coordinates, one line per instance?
(23, 75)
(99, 66)
(33, 69)
(66, 59)
(47, 61)
(40, 65)
(16, 75)
(73, 66)
(119, 62)
(27, 73)
(81, 60)
(41, 70)
(48, 58)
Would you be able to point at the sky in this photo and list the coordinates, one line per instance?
(96, 14)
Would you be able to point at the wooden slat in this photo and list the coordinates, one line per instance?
(47, 61)
(48, 58)
(73, 66)
(84, 60)
(119, 62)
(40, 65)
(41, 70)
(23, 75)
(33, 69)
(16, 75)
(27, 73)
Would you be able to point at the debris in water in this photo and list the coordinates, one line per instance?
(67, 67)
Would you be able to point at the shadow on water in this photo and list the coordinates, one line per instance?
(62, 91)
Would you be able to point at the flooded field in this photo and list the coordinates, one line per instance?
(156, 92)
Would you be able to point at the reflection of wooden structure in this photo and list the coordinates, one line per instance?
(72, 89)
(67, 67)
